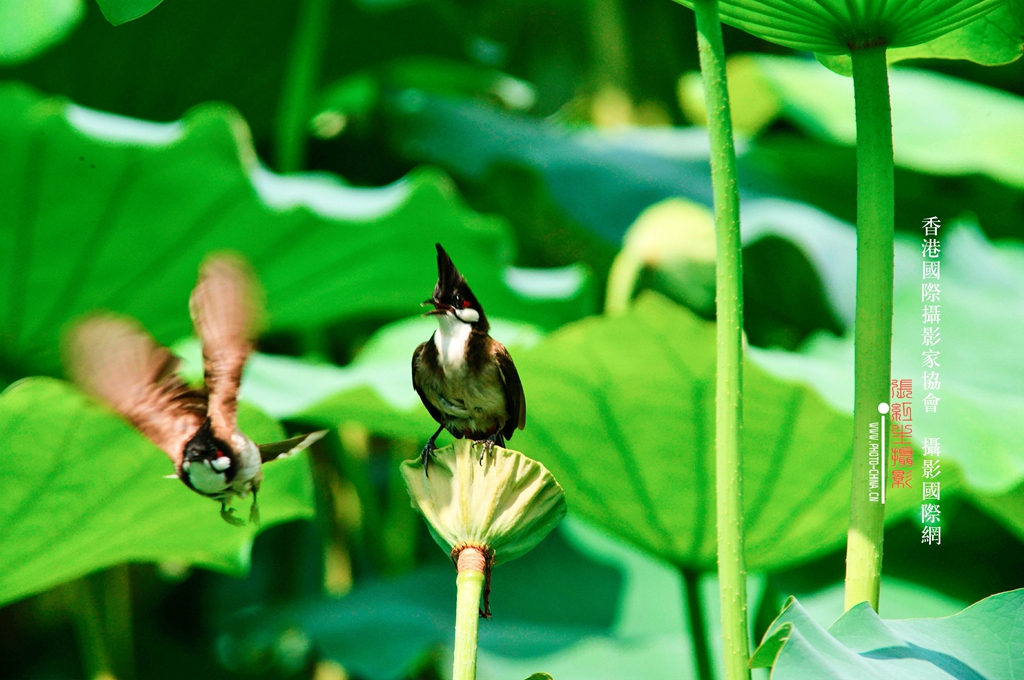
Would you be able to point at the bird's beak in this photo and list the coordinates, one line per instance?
(439, 308)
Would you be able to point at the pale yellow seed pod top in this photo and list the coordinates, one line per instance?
(506, 503)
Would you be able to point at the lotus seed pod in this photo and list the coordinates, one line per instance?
(503, 503)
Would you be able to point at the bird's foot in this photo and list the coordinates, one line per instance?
(486, 449)
(228, 515)
(425, 455)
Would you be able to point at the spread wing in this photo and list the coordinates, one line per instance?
(116, 360)
(515, 398)
(417, 366)
(225, 309)
(287, 447)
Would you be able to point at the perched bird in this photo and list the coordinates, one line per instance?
(465, 378)
(115, 359)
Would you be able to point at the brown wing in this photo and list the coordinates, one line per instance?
(287, 447)
(118, 361)
(417, 366)
(225, 310)
(515, 398)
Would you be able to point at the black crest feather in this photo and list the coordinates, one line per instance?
(448, 277)
(450, 282)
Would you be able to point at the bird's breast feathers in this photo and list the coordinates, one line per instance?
(472, 401)
(205, 478)
(459, 377)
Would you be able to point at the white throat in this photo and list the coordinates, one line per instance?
(206, 478)
(450, 339)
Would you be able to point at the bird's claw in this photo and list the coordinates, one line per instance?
(425, 455)
(486, 449)
(228, 515)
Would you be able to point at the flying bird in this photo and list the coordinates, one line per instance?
(115, 359)
(465, 378)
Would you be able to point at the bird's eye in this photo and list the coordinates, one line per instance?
(457, 299)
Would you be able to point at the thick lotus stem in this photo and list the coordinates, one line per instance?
(873, 320)
(732, 575)
(300, 84)
(473, 566)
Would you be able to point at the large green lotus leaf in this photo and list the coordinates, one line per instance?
(986, 640)
(83, 491)
(121, 11)
(991, 39)
(980, 418)
(1007, 507)
(936, 123)
(899, 599)
(622, 413)
(837, 26)
(29, 27)
(103, 211)
(187, 52)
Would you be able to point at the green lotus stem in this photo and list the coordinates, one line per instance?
(301, 79)
(873, 320)
(89, 625)
(698, 626)
(609, 43)
(732, 575)
(469, 584)
(117, 619)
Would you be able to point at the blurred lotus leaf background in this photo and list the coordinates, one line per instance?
(558, 152)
